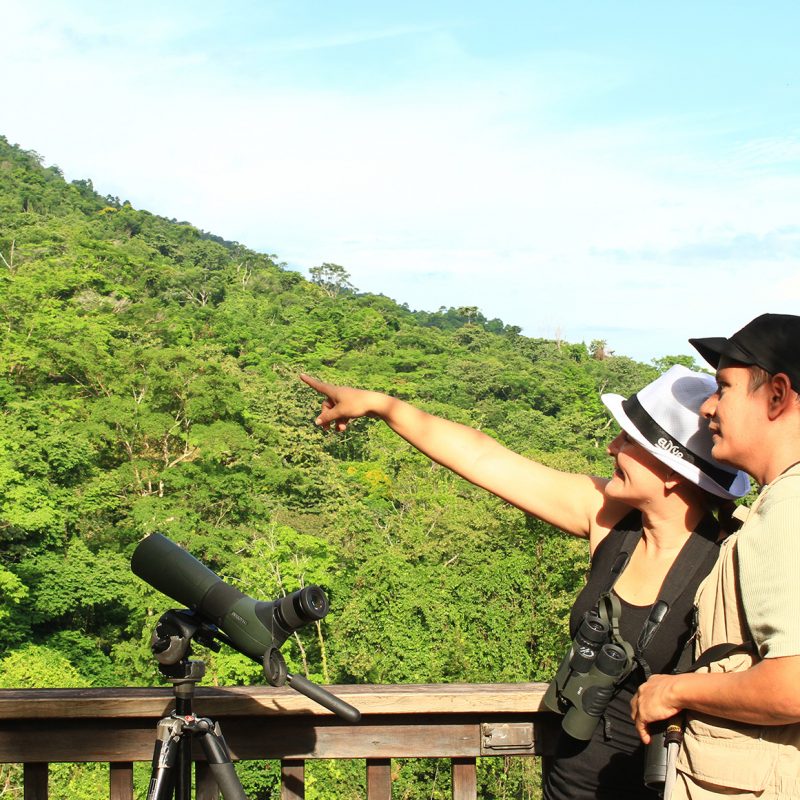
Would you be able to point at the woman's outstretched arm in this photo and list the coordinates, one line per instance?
(575, 503)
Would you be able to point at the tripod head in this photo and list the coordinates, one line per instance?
(171, 644)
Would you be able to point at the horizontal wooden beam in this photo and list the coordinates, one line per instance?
(422, 736)
(119, 725)
(98, 703)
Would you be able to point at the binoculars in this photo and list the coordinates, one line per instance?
(587, 678)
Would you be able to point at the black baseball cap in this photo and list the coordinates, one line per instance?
(771, 341)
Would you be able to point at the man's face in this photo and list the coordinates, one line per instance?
(736, 416)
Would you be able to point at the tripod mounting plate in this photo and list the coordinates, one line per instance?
(185, 670)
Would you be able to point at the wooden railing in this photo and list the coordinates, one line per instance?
(459, 722)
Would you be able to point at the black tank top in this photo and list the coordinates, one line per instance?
(610, 766)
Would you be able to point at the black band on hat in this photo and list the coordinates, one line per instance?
(662, 440)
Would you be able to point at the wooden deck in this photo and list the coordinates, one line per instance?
(459, 722)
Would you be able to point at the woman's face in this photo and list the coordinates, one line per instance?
(639, 477)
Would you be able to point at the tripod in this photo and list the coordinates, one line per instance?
(172, 756)
(171, 775)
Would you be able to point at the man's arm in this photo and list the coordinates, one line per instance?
(766, 694)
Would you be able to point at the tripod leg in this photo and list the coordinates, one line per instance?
(219, 762)
(183, 770)
(205, 784)
(165, 755)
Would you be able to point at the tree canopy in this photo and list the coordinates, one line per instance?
(148, 382)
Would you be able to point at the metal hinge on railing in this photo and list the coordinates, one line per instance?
(508, 738)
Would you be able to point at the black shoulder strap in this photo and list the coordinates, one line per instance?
(698, 553)
(719, 651)
(627, 544)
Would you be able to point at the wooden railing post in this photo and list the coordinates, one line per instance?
(120, 780)
(34, 777)
(465, 779)
(293, 779)
(379, 779)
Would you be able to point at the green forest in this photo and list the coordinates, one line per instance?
(148, 382)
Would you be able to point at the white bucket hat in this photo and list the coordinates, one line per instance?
(664, 418)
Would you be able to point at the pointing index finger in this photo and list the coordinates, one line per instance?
(320, 386)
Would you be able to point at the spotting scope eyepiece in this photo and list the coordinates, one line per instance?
(254, 627)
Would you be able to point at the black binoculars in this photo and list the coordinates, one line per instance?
(587, 678)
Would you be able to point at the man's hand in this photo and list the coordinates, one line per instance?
(653, 702)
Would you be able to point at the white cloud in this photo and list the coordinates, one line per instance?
(468, 187)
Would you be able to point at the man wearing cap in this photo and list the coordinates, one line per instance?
(742, 736)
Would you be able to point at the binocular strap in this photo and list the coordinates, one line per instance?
(698, 553)
(610, 611)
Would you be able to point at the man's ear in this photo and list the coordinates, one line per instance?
(672, 481)
(781, 395)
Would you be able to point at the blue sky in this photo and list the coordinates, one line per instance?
(624, 171)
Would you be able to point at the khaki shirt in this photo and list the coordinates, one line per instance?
(721, 756)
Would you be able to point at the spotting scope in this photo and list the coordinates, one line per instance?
(253, 626)
(256, 628)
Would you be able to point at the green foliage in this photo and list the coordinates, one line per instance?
(148, 383)
(332, 278)
(33, 666)
(664, 363)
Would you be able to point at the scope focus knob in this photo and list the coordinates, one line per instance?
(274, 666)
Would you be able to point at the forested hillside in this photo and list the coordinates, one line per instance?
(148, 382)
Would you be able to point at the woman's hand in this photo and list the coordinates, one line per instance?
(574, 503)
(343, 403)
